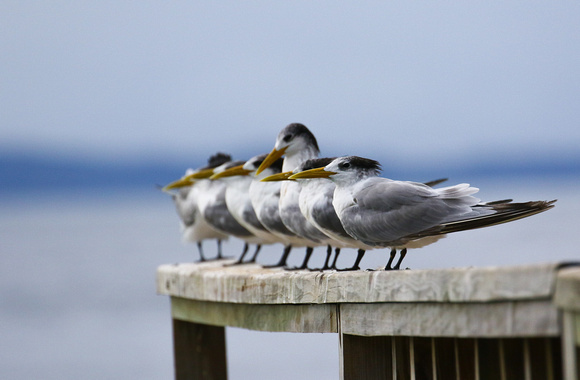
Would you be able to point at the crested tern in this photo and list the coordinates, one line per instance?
(265, 197)
(382, 212)
(239, 204)
(316, 198)
(297, 144)
(194, 227)
(213, 207)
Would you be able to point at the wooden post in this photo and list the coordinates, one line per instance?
(199, 351)
(364, 357)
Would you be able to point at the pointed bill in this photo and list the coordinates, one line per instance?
(205, 173)
(312, 173)
(182, 182)
(236, 170)
(277, 177)
(270, 159)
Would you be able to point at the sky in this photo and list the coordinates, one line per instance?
(426, 83)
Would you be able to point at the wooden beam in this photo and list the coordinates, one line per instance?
(287, 318)
(497, 319)
(199, 351)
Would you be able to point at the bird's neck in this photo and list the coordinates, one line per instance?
(292, 160)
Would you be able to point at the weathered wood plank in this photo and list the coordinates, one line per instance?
(289, 318)
(497, 319)
(212, 281)
(199, 351)
(567, 294)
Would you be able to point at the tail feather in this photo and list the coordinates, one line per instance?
(502, 212)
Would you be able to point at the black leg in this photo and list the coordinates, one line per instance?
(304, 265)
(219, 249)
(200, 249)
(359, 256)
(336, 253)
(393, 254)
(253, 259)
(402, 254)
(241, 259)
(328, 254)
(283, 259)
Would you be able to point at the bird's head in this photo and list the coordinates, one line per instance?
(293, 139)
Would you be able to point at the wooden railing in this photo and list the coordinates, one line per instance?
(473, 323)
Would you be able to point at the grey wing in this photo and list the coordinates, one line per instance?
(219, 217)
(251, 218)
(326, 217)
(386, 211)
(270, 218)
(296, 222)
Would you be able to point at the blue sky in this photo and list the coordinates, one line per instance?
(425, 83)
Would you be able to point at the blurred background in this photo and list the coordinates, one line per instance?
(102, 101)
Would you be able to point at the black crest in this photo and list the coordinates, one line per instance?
(365, 165)
(276, 166)
(314, 163)
(217, 160)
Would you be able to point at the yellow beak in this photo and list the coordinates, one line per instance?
(236, 170)
(277, 177)
(182, 182)
(188, 180)
(205, 173)
(270, 159)
(312, 173)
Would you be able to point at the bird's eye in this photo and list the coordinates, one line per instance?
(287, 138)
(344, 165)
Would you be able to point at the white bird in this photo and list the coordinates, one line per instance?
(297, 144)
(213, 207)
(193, 225)
(239, 204)
(265, 198)
(315, 203)
(381, 212)
(316, 198)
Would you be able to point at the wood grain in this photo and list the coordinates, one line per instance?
(255, 285)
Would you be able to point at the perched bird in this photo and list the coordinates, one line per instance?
(213, 207)
(238, 202)
(193, 225)
(265, 197)
(381, 212)
(297, 144)
(315, 203)
(316, 198)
